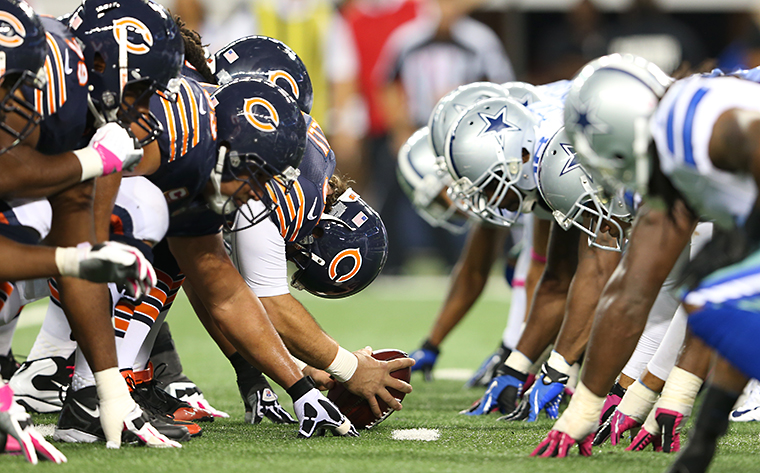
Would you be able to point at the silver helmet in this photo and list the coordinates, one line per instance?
(484, 154)
(453, 104)
(523, 92)
(572, 195)
(607, 114)
(425, 181)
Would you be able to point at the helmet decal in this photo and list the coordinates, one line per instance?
(347, 253)
(571, 163)
(280, 74)
(272, 116)
(12, 31)
(497, 123)
(139, 38)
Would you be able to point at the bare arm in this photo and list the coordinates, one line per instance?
(29, 173)
(233, 306)
(656, 242)
(469, 278)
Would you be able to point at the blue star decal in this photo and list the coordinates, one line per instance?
(497, 123)
(587, 122)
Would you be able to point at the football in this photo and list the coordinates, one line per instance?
(356, 408)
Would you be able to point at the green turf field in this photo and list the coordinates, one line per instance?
(391, 314)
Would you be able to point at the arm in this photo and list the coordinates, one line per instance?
(233, 306)
(656, 242)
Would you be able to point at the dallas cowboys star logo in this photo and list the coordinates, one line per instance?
(496, 124)
(571, 163)
(587, 121)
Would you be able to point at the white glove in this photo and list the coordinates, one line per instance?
(108, 262)
(110, 150)
(17, 423)
(316, 413)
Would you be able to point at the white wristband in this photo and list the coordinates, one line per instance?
(582, 414)
(518, 362)
(558, 362)
(91, 162)
(67, 260)
(343, 366)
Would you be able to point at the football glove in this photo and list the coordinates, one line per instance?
(666, 436)
(487, 370)
(137, 423)
(558, 444)
(611, 402)
(263, 403)
(317, 414)
(108, 262)
(502, 393)
(425, 358)
(110, 150)
(17, 424)
(614, 428)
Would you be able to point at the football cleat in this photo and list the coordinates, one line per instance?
(188, 392)
(79, 422)
(40, 385)
(8, 365)
(146, 392)
(749, 411)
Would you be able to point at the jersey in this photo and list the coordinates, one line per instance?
(299, 210)
(682, 127)
(62, 103)
(187, 145)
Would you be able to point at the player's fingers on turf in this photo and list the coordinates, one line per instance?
(541, 447)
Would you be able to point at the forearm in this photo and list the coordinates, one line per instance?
(469, 278)
(30, 174)
(26, 261)
(106, 189)
(595, 266)
(208, 323)
(299, 331)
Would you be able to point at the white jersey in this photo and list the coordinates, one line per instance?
(682, 127)
(556, 91)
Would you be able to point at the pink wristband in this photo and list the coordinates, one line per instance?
(536, 257)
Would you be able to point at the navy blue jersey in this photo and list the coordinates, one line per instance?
(188, 144)
(189, 71)
(300, 209)
(63, 101)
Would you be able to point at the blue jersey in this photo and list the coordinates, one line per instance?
(62, 103)
(188, 144)
(299, 210)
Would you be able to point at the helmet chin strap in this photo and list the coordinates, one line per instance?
(641, 140)
(217, 202)
(123, 59)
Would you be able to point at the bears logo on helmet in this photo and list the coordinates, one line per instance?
(12, 31)
(352, 253)
(133, 29)
(272, 119)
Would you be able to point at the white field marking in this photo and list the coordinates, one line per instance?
(453, 374)
(427, 435)
(33, 314)
(46, 430)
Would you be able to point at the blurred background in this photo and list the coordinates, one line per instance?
(379, 67)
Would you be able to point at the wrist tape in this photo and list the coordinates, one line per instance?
(91, 162)
(343, 366)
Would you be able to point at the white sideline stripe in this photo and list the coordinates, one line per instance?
(46, 430)
(426, 435)
(453, 374)
(33, 314)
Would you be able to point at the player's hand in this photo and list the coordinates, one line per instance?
(115, 148)
(502, 394)
(611, 402)
(643, 439)
(372, 379)
(108, 262)
(136, 422)
(264, 404)
(558, 444)
(546, 393)
(425, 358)
(322, 379)
(17, 423)
(614, 428)
(665, 435)
(317, 414)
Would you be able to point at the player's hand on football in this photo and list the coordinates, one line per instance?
(425, 358)
(108, 262)
(317, 414)
(17, 424)
(372, 379)
(501, 395)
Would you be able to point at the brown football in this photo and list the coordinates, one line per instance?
(356, 408)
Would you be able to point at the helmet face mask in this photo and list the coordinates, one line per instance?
(22, 57)
(488, 153)
(133, 49)
(424, 179)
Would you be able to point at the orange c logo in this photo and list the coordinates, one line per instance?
(134, 29)
(12, 31)
(332, 271)
(272, 117)
(278, 74)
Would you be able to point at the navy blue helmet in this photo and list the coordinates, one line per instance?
(265, 58)
(261, 135)
(345, 253)
(133, 49)
(23, 49)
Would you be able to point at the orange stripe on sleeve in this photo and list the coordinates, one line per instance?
(169, 111)
(278, 210)
(59, 69)
(196, 119)
(184, 121)
(301, 209)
